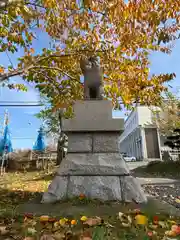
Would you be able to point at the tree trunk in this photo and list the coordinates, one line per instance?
(59, 157)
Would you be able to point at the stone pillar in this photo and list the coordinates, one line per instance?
(159, 144)
(143, 144)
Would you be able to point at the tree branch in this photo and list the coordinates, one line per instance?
(18, 72)
(34, 4)
(57, 69)
(6, 3)
(5, 76)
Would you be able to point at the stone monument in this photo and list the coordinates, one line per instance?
(93, 79)
(93, 165)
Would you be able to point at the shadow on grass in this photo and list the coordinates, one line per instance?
(46, 177)
(169, 169)
(10, 200)
(17, 203)
(20, 202)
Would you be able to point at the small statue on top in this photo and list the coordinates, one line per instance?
(93, 86)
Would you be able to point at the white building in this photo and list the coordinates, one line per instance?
(140, 137)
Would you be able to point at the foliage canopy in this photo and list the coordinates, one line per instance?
(122, 34)
(167, 119)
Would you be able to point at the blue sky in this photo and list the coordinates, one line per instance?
(24, 125)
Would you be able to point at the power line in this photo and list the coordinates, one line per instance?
(22, 138)
(21, 102)
(21, 105)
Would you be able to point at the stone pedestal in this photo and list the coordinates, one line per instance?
(93, 116)
(92, 129)
(93, 165)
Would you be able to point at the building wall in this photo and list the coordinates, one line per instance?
(132, 144)
(130, 124)
(134, 140)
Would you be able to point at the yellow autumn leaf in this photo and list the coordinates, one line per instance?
(96, 36)
(63, 221)
(171, 222)
(87, 3)
(141, 219)
(49, 3)
(44, 218)
(177, 200)
(26, 9)
(84, 218)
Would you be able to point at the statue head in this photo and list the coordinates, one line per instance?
(94, 61)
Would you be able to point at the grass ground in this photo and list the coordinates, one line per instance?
(168, 169)
(19, 188)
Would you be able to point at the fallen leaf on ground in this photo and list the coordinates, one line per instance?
(63, 221)
(141, 219)
(170, 233)
(3, 230)
(153, 226)
(176, 229)
(177, 200)
(84, 218)
(29, 238)
(86, 235)
(31, 231)
(126, 224)
(93, 221)
(44, 219)
(58, 236)
(47, 237)
(162, 224)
